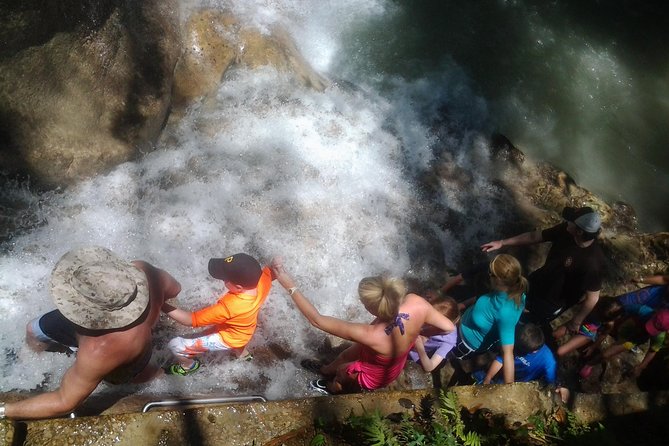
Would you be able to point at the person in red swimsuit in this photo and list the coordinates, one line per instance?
(381, 348)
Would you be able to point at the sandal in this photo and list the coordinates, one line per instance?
(246, 357)
(320, 386)
(312, 365)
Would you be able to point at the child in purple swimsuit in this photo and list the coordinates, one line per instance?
(432, 347)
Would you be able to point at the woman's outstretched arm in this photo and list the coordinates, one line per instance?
(344, 329)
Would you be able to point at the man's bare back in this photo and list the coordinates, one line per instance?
(116, 355)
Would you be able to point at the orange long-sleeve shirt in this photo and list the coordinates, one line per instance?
(236, 315)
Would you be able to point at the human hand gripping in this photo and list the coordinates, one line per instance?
(276, 264)
(492, 246)
(420, 342)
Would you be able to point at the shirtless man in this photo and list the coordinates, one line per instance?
(107, 308)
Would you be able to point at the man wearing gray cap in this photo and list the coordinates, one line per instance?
(572, 272)
(106, 310)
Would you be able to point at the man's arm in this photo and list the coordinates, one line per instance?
(526, 238)
(168, 285)
(653, 280)
(591, 298)
(78, 383)
(650, 355)
(453, 281)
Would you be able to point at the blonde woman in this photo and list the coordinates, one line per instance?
(381, 348)
(493, 317)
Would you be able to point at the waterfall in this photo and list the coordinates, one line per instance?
(332, 181)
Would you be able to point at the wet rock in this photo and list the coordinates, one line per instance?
(6, 432)
(91, 93)
(96, 87)
(211, 45)
(517, 401)
(216, 40)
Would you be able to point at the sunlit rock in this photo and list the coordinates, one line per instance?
(215, 40)
(91, 92)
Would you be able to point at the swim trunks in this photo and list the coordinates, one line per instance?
(127, 372)
(589, 330)
(191, 347)
(53, 327)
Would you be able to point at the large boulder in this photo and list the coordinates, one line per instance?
(83, 85)
(216, 40)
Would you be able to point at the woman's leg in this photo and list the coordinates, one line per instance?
(349, 355)
(344, 381)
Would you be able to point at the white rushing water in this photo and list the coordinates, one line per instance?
(269, 168)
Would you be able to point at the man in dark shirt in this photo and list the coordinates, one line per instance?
(572, 272)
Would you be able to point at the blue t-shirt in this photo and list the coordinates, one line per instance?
(494, 309)
(439, 344)
(645, 301)
(535, 366)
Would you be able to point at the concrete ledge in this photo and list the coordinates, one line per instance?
(271, 422)
(237, 424)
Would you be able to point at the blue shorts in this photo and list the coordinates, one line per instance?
(54, 328)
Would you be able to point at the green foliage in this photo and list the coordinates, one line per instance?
(450, 425)
(318, 440)
(378, 432)
(450, 410)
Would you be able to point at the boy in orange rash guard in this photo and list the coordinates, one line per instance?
(233, 318)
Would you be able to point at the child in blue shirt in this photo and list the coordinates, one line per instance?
(533, 360)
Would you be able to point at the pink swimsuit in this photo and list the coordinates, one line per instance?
(376, 371)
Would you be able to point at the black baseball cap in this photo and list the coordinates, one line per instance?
(241, 269)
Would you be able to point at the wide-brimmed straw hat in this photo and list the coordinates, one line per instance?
(96, 289)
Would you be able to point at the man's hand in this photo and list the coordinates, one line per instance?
(492, 246)
(563, 392)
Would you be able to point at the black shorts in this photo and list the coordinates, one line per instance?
(54, 327)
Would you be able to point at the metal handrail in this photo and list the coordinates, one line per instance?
(191, 402)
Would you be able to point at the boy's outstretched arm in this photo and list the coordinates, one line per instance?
(181, 316)
(658, 279)
(494, 369)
